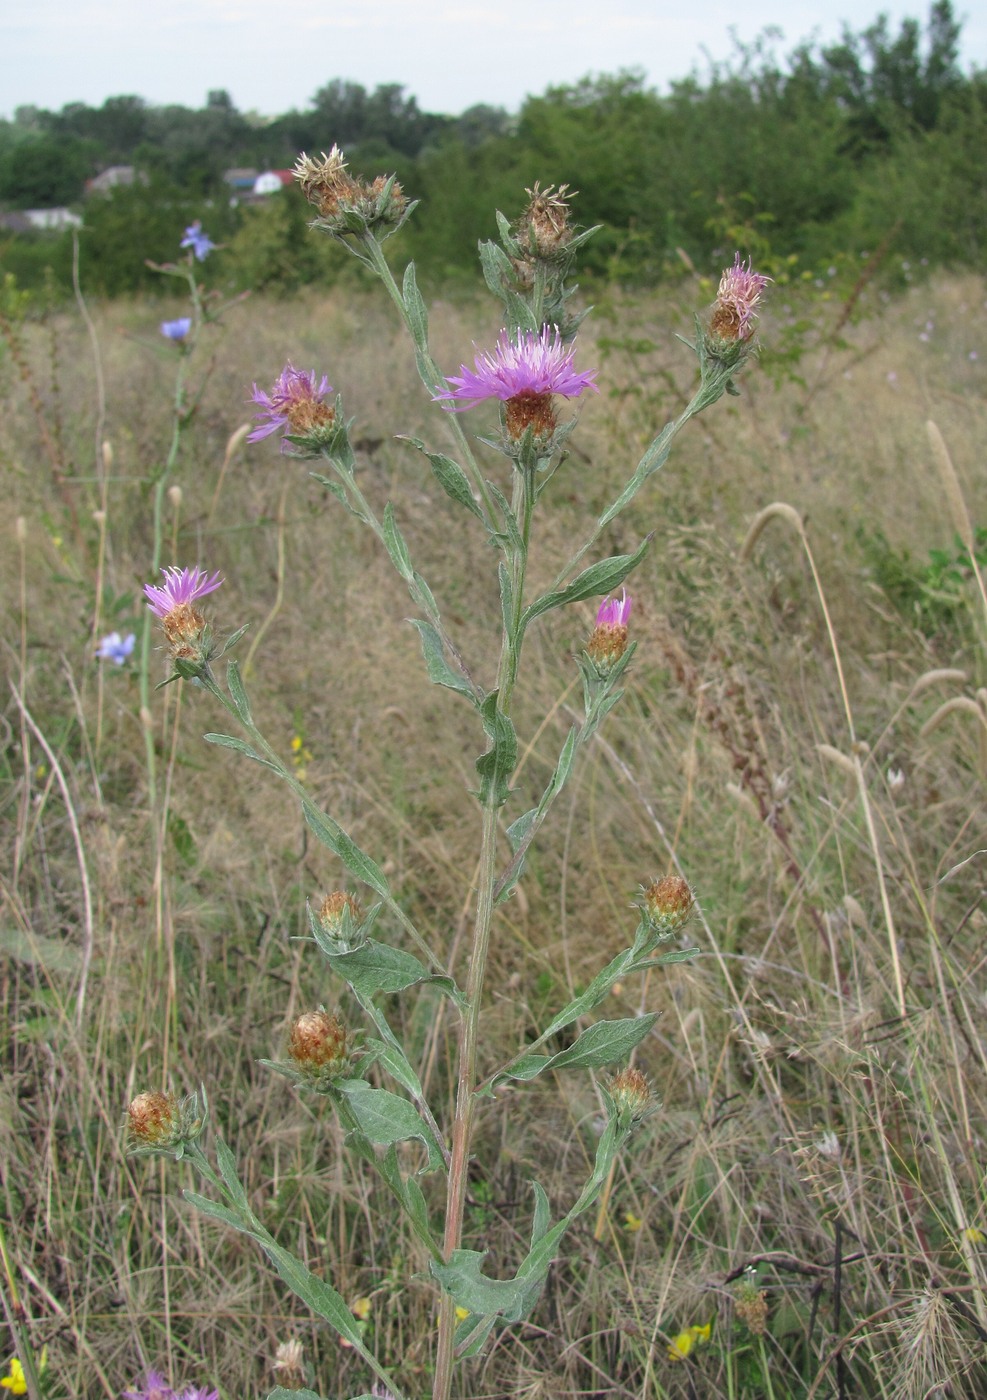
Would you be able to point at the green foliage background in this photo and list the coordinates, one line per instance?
(875, 140)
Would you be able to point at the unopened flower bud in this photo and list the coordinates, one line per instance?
(668, 903)
(631, 1095)
(337, 910)
(161, 1123)
(317, 1046)
(175, 496)
(608, 640)
(107, 454)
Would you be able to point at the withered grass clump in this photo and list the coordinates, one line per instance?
(776, 746)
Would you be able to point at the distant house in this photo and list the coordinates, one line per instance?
(240, 177)
(47, 220)
(112, 176)
(273, 180)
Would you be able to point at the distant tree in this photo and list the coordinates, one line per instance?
(42, 172)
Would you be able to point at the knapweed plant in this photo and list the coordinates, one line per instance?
(367, 938)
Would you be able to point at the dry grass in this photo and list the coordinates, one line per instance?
(811, 1130)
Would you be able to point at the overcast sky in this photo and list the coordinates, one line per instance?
(272, 55)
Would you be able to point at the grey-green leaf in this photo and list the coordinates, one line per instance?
(598, 579)
(395, 545)
(438, 668)
(384, 1118)
(227, 741)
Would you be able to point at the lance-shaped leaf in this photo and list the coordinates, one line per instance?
(357, 862)
(415, 309)
(384, 1118)
(599, 578)
(450, 476)
(521, 832)
(601, 1044)
(238, 693)
(395, 545)
(498, 763)
(438, 668)
(227, 741)
(376, 967)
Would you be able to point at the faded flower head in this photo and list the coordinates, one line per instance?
(317, 1047)
(176, 330)
(734, 311)
(668, 903)
(113, 647)
(523, 372)
(608, 640)
(296, 403)
(173, 602)
(543, 230)
(289, 1368)
(198, 240)
(161, 1123)
(347, 204)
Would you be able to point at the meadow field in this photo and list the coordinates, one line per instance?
(803, 736)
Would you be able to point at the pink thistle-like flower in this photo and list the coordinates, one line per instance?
(155, 1388)
(295, 402)
(608, 640)
(529, 365)
(182, 623)
(736, 301)
(181, 588)
(614, 612)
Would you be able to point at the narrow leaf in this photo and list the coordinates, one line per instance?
(227, 741)
(438, 668)
(237, 692)
(415, 309)
(395, 545)
(384, 1118)
(357, 862)
(599, 578)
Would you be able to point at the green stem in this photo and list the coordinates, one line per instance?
(209, 683)
(431, 376)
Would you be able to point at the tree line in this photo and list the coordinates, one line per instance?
(878, 138)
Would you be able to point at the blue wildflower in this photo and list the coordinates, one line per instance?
(115, 648)
(198, 240)
(176, 330)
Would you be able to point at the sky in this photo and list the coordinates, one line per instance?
(273, 55)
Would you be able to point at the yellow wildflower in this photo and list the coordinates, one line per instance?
(632, 1222)
(362, 1308)
(974, 1236)
(15, 1382)
(681, 1345)
(462, 1314)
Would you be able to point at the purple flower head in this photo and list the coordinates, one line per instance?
(614, 612)
(155, 1388)
(295, 402)
(736, 301)
(608, 640)
(181, 588)
(115, 648)
(526, 365)
(176, 330)
(198, 240)
(195, 1392)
